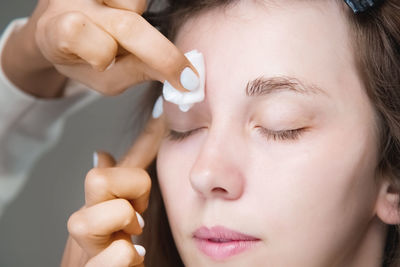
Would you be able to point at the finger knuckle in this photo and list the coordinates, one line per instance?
(96, 180)
(127, 209)
(68, 27)
(71, 21)
(105, 54)
(78, 226)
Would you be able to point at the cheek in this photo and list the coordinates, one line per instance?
(322, 189)
(174, 162)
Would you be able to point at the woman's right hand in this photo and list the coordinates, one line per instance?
(115, 195)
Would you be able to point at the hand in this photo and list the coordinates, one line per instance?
(108, 45)
(113, 193)
(81, 38)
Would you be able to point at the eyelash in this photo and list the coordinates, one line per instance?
(179, 136)
(293, 134)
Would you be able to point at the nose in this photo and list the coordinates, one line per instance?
(216, 172)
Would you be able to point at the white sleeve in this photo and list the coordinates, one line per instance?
(30, 126)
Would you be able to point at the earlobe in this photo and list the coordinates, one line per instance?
(387, 206)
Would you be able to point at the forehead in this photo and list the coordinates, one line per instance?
(308, 40)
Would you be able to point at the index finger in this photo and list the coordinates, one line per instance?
(140, 38)
(145, 149)
(98, 186)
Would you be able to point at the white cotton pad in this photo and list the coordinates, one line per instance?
(158, 108)
(186, 100)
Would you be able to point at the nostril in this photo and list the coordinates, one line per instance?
(219, 190)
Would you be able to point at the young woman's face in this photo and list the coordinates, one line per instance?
(282, 150)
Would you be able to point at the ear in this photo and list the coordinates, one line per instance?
(387, 205)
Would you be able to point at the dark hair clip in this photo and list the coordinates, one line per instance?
(360, 6)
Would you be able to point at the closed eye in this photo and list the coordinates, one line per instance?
(292, 134)
(179, 136)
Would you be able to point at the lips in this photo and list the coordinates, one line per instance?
(220, 243)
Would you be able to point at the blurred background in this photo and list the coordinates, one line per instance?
(33, 228)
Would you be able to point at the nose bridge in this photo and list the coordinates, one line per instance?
(216, 172)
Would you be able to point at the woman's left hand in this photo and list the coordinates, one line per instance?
(115, 195)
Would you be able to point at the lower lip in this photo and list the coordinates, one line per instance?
(224, 250)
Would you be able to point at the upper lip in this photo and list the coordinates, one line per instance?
(221, 234)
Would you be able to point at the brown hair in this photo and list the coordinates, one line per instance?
(376, 35)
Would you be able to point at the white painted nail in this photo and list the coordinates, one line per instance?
(95, 159)
(111, 65)
(158, 108)
(140, 219)
(189, 79)
(140, 250)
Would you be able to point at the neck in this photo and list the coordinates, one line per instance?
(370, 249)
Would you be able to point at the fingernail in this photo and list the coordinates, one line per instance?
(189, 79)
(158, 108)
(140, 219)
(95, 159)
(140, 250)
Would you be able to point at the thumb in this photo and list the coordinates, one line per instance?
(102, 159)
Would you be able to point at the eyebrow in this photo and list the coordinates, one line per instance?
(264, 86)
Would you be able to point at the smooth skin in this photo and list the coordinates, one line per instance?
(106, 45)
(295, 169)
